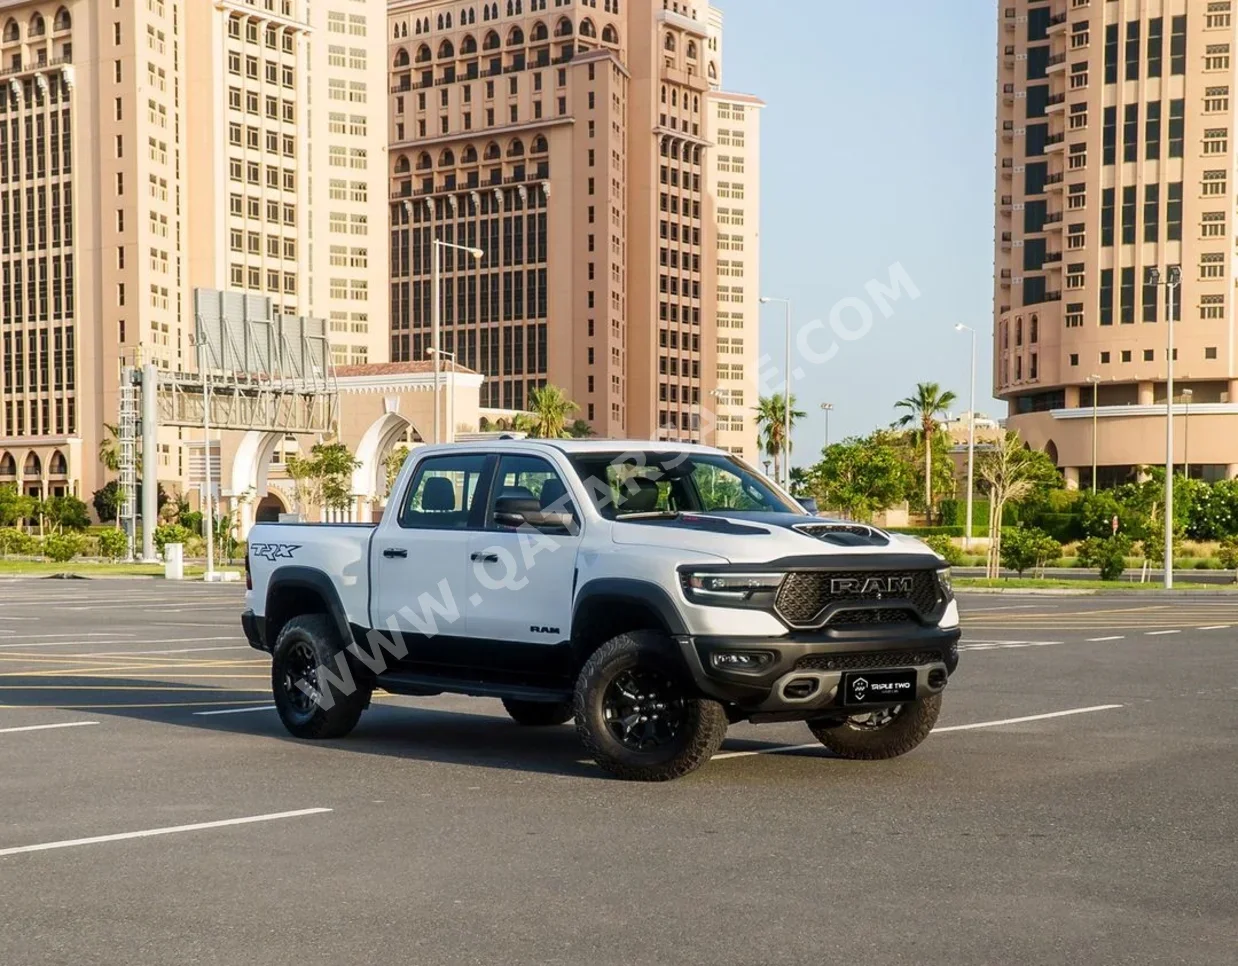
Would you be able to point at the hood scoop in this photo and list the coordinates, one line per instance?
(845, 534)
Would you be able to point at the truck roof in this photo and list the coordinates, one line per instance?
(574, 446)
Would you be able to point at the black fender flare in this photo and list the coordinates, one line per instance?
(629, 590)
(307, 579)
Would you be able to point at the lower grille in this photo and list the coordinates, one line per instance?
(882, 616)
(868, 662)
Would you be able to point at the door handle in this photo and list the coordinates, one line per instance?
(486, 557)
(392, 552)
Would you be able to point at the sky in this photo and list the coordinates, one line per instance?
(877, 148)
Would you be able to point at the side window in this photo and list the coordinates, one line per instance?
(531, 478)
(443, 493)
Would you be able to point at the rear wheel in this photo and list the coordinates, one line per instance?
(637, 714)
(539, 714)
(309, 706)
(880, 734)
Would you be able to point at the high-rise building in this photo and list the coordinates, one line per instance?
(150, 148)
(734, 184)
(1115, 155)
(572, 144)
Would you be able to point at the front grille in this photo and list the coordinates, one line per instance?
(885, 615)
(805, 594)
(868, 662)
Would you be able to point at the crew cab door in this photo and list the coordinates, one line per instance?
(419, 557)
(522, 581)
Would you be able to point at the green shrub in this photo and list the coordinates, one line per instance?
(17, 542)
(113, 544)
(63, 547)
(1227, 553)
(922, 532)
(1062, 527)
(1106, 554)
(171, 533)
(1027, 548)
(945, 548)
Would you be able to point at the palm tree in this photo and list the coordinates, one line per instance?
(772, 421)
(923, 409)
(109, 456)
(549, 408)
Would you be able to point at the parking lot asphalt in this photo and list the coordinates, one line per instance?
(1079, 801)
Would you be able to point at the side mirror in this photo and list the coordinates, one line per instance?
(518, 511)
(809, 503)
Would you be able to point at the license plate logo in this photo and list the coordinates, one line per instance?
(879, 687)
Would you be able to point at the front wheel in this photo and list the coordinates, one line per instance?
(877, 735)
(638, 716)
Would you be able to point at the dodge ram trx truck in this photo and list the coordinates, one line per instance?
(653, 592)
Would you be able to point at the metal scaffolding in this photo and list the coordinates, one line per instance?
(127, 439)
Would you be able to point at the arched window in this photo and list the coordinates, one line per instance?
(8, 465)
(33, 466)
(63, 21)
(491, 42)
(539, 145)
(713, 71)
(515, 37)
(485, 12)
(610, 35)
(691, 50)
(58, 465)
(674, 98)
(519, 9)
(468, 45)
(669, 44)
(696, 104)
(11, 31)
(563, 28)
(401, 164)
(37, 26)
(587, 29)
(510, 8)
(469, 155)
(492, 151)
(423, 161)
(418, 28)
(401, 58)
(449, 21)
(516, 149)
(423, 54)
(440, 21)
(663, 93)
(539, 32)
(696, 155)
(447, 158)
(445, 49)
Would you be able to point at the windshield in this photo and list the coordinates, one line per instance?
(628, 483)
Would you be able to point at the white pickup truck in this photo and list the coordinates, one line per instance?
(654, 592)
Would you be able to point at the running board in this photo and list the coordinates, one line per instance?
(424, 685)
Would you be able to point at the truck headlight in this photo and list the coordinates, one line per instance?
(733, 589)
(947, 587)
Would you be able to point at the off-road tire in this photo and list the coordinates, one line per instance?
(313, 635)
(911, 726)
(702, 722)
(539, 714)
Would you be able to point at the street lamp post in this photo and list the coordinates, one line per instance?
(827, 408)
(451, 391)
(971, 434)
(435, 316)
(1094, 381)
(786, 397)
(1173, 278)
(1187, 395)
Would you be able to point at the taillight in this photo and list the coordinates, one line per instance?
(249, 577)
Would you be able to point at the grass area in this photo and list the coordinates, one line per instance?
(43, 568)
(1045, 583)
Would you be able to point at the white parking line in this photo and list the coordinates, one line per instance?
(205, 714)
(166, 640)
(1097, 640)
(48, 727)
(1214, 627)
(781, 749)
(97, 839)
(1159, 633)
(179, 650)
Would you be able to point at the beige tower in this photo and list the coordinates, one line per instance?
(1115, 155)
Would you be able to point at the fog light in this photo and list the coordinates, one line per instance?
(741, 660)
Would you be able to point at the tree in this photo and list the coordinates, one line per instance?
(922, 409)
(65, 513)
(323, 479)
(580, 429)
(108, 498)
(109, 450)
(772, 425)
(1026, 548)
(1106, 554)
(15, 506)
(1010, 472)
(392, 466)
(801, 481)
(860, 476)
(549, 408)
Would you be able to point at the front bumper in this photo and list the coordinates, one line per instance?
(252, 625)
(804, 677)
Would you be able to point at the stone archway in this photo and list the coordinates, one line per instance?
(250, 467)
(268, 509)
(369, 482)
